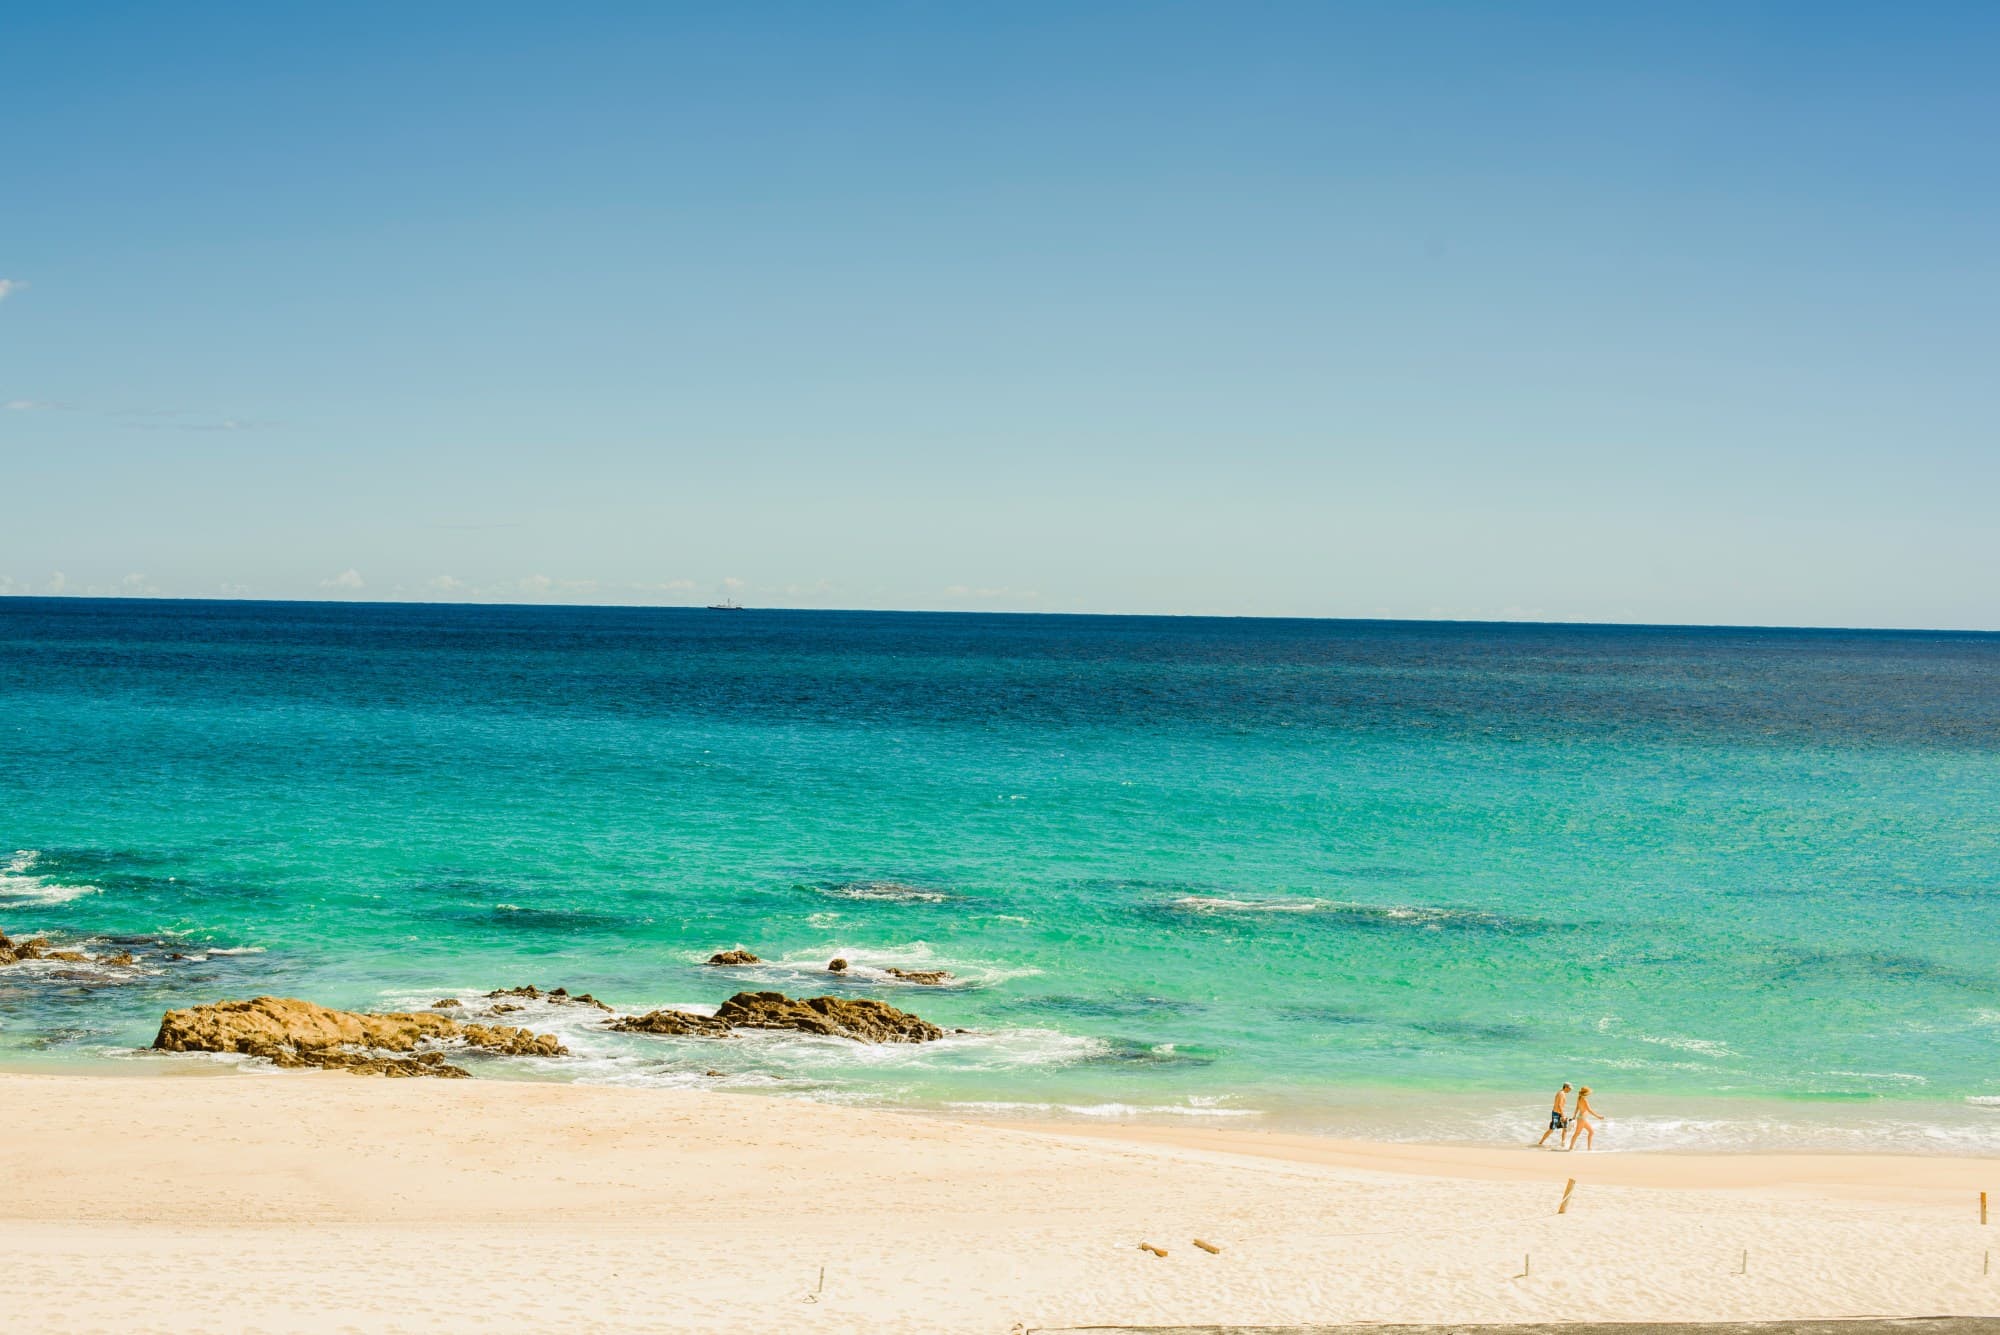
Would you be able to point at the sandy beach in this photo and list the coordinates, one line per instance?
(233, 1200)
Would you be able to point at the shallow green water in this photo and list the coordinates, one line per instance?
(1397, 876)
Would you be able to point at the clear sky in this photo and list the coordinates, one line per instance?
(1669, 313)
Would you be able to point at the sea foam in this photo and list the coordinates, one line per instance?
(19, 884)
(870, 965)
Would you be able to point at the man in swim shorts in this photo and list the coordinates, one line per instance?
(1557, 1122)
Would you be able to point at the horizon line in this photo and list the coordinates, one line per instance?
(999, 612)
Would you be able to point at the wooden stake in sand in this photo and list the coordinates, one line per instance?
(1208, 1247)
(1149, 1247)
(1568, 1190)
(1982, 1207)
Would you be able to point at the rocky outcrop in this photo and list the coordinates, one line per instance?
(736, 956)
(859, 1019)
(508, 1041)
(836, 966)
(837, 1017)
(298, 1033)
(367, 1063)
(672, 1024)
(559, 996)
(34, 948)
(926, 977)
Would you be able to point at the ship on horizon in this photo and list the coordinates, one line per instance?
(726, 605)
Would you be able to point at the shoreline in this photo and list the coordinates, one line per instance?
(323, 1200)
(1911, 1177)
(1648, 1124)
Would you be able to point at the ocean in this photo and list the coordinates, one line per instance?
(1374, 878)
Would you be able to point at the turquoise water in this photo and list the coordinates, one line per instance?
(1391, 876)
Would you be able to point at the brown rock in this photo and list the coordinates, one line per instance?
(836, 966)
(505, 1008)
(511, 1042)
(444, 1003)
(560, 996)
(28, 948)
(859, 1019)
(736, 956)
(362, 1063)
(299, 1033)
(35, 948)
(673, 1023)
(928, 977)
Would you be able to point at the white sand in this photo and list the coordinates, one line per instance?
(333, 1202)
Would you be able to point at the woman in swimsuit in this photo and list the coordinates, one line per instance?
(1584, 1112)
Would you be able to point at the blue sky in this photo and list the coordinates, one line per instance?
(1560, 312)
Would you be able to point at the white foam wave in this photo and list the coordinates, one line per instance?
(1425, 916)
(1648, 1064)
(778, 1061)
(796, 1056)
(19, 885)
(884, 892)
(84, 971)
(1705, 1047)
(1899, 1077)
(1941, 1131)
(1194, 1107)
(1219, 904)
(1699, 1047)
(871, 965)
(775, 1051)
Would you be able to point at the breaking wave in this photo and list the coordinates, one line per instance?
(870, 965)
(777, 1061)
(1425, 917)
(883, 892)
(19, 884)
(1196, 1106)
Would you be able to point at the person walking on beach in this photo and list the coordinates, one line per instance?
(1557, 1122)
(1584, 1112)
